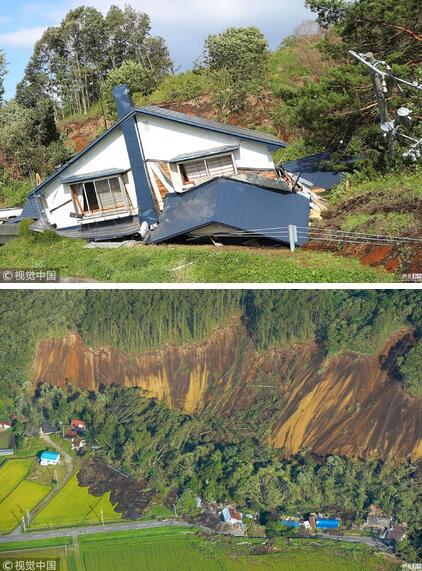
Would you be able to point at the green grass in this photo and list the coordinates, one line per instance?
(74, 505)
(179, 263)
(23, 498)
(31, 447)
(12, 472)
(160, 549)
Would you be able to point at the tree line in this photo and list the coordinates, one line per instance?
(135, 321)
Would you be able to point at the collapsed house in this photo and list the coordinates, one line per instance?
(164, 175)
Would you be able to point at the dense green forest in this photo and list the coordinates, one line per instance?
(135, 321)
(228, 459)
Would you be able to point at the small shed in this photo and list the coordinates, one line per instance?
(49, 458)
(231, 515)
(5, 425)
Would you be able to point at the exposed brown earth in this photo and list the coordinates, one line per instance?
(348, 404)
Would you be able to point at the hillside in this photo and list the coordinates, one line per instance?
(346, 405)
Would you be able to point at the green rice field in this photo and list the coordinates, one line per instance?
(74, 505)
(181, 549)
(12, 472)
(24, 497)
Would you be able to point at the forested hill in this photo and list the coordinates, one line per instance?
(334, 353)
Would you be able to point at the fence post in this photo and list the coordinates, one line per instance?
(292, 236)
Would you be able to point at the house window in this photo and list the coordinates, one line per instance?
(213, 166)
(99, 195)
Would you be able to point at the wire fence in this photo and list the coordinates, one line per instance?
(303, 233)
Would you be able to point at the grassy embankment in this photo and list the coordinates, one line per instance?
(171, 263)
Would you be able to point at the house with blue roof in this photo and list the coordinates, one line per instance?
(125, 182)
(49, 458)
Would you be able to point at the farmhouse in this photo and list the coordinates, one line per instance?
(376, 518)
(162, 175)
(5, 425)
(48, 458)
(6, 452)
(48, 428)
(230, 515)
(77, 424)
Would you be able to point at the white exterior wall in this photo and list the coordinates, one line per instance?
(44, 462)
(163, 139)
(110, 153)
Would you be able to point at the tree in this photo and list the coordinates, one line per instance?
(30, 140)
(411, 370)
(236, 61)
(138, 79)
(3, 71)
(337, 111)
(71, 61)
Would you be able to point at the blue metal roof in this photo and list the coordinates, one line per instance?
(328, 523)
(311, 171)
(249, 134)
(234, 204)
(31, 209)
(290, 523)
(49, 455)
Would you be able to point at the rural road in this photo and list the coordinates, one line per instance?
(68, 460)
(76, 531)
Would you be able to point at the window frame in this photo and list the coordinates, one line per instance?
(182, 172)
(99, 211)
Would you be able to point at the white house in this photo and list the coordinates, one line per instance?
(230, 515)
(5, 425)
(120, 185)
(49, 458)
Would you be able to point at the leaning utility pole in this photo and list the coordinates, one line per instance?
(380, 88)
(390, 126)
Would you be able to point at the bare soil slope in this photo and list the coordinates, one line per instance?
(348, 404)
